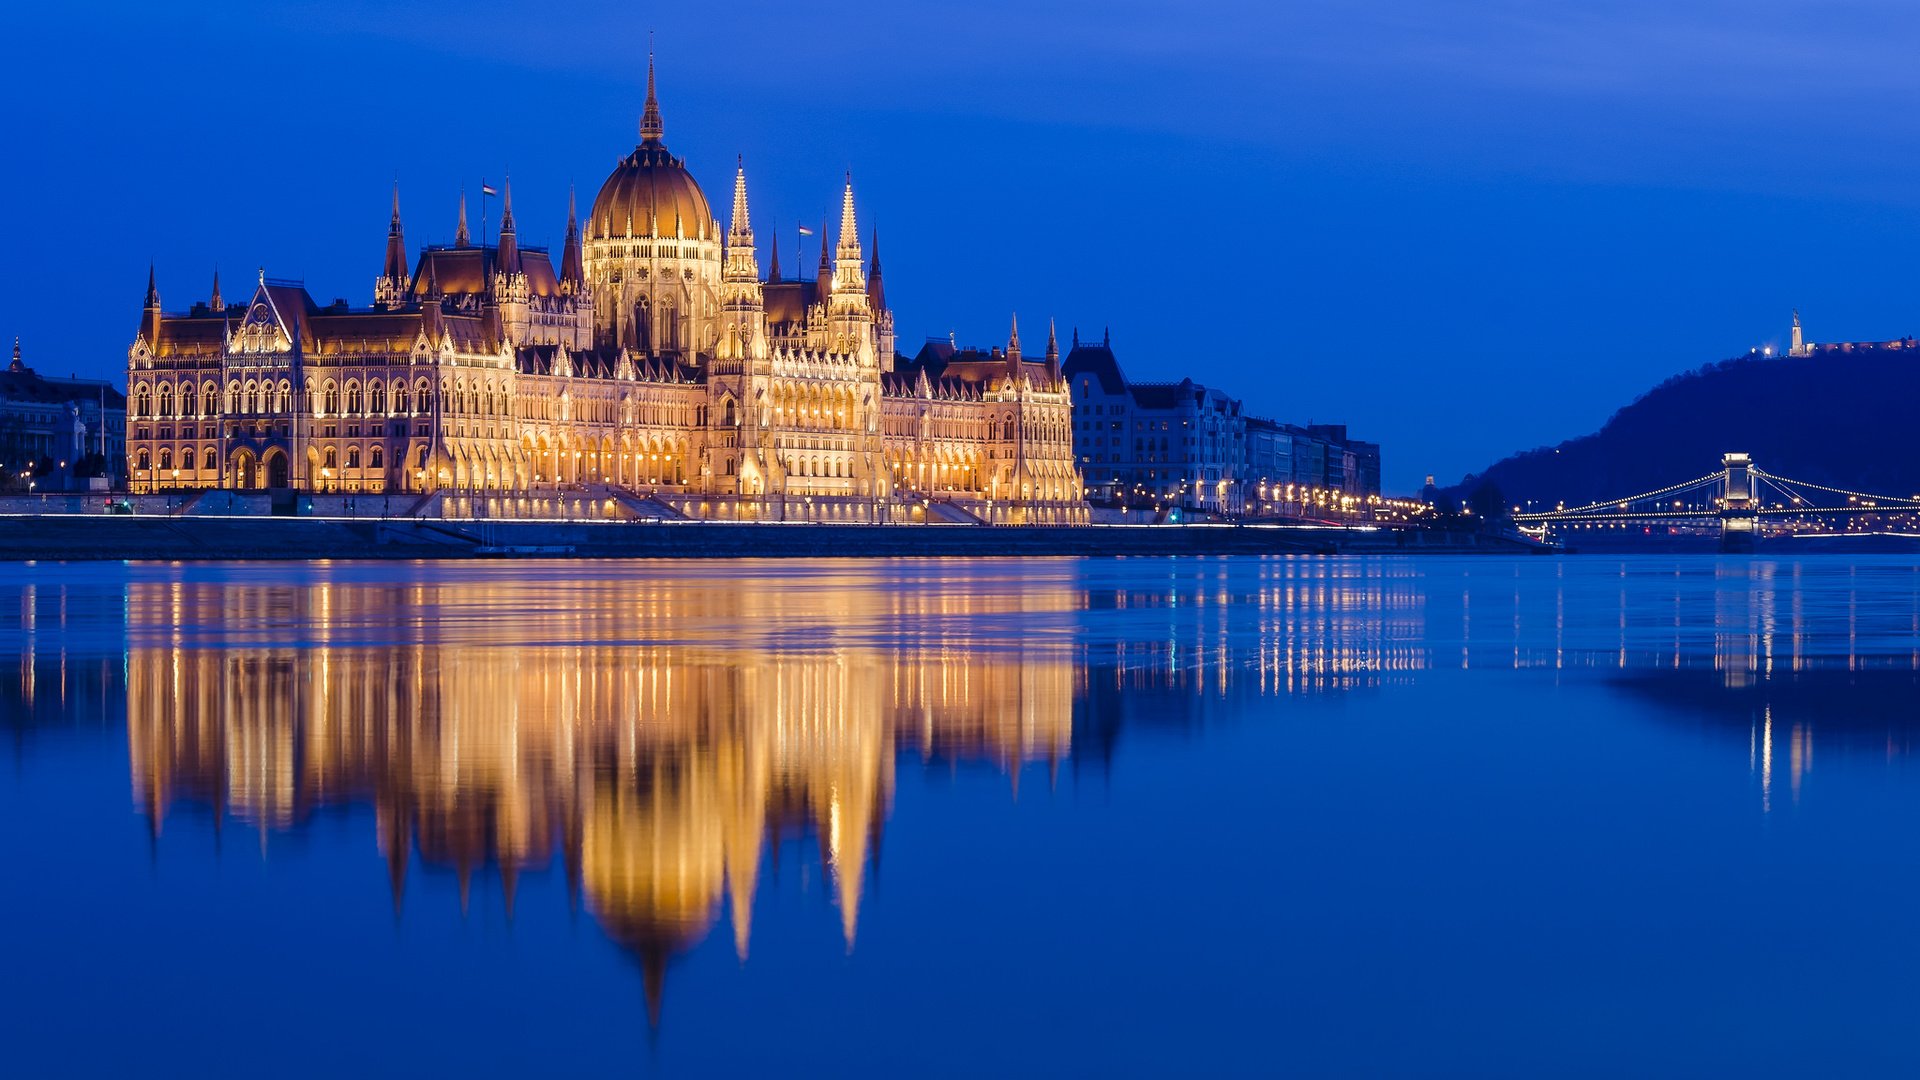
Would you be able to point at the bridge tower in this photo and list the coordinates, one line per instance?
(1739, 513)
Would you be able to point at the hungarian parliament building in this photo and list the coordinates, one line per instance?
(655, 363)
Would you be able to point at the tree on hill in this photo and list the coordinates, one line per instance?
(1843, 419)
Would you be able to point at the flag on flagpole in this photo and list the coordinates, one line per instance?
(487, 189)
(804, 231)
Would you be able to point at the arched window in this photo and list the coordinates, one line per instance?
(332, 459)
(208, 461)
(142, 403)
(376, 459)
(376, 399)
(283, 398)
(166, 459)
(329, 398)
(353, 457)
(166, 400)
(145, 461)
(726, 414)
(353, 398)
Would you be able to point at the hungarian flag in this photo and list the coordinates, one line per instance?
(804, 231)
(487, 189)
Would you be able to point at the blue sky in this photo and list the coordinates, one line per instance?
(1462, 229)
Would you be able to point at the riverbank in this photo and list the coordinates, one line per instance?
(60, 537)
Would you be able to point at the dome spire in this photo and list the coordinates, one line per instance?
(650, 128)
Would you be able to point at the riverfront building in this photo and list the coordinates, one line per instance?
(1193, 447)
(653, 360)
(58, 433)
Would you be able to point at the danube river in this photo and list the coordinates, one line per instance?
(1587, 815)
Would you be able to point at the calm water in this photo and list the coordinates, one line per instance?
(1586, 815)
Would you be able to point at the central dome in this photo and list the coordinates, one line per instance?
(650, 194)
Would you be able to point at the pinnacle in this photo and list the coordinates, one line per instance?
(650, 126)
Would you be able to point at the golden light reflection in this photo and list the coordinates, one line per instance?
(656, 734)
(657, 768)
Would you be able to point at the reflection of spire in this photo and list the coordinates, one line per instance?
(659, 839)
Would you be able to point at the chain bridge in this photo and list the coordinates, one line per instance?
(1741, 501)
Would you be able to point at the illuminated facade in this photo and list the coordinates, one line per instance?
(654, 359)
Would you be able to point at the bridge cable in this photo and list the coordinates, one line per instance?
(1608, 503)
(1906, 502)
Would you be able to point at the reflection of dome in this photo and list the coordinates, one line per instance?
(650, 193)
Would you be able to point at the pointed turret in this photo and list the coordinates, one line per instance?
(740, 290)
(507, 258)
(573, 272)
(848, 275)
(876, 291)
(16, 367)
(773, 258)
(150, 311)
(391, 290)
(460, 237)
(215, 302)
(847, 304)
(824, 276)
(650, 126)
(1013, 347)
(741, 230)
(1053, 343)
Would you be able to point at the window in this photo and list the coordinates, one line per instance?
(353, 457)
(376, 459)
(208, 461)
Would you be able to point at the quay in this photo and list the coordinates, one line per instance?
(75, 537)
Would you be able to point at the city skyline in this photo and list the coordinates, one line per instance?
(1544, 257)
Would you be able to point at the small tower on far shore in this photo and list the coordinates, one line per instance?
(1799, 345)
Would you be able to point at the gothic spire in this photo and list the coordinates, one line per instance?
(1013, 341)
(215, 302)
(742, 230)
(507, 258)
(876, 292)
(650, 129)
(773, 265)
(849, 228)
(460, 237)
(572, 266)
(1053, 342)
(150, 313)
(396, 264)
(825, 275)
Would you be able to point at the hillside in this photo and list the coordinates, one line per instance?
(1845, 419)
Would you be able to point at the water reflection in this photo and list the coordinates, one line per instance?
(657, 731)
